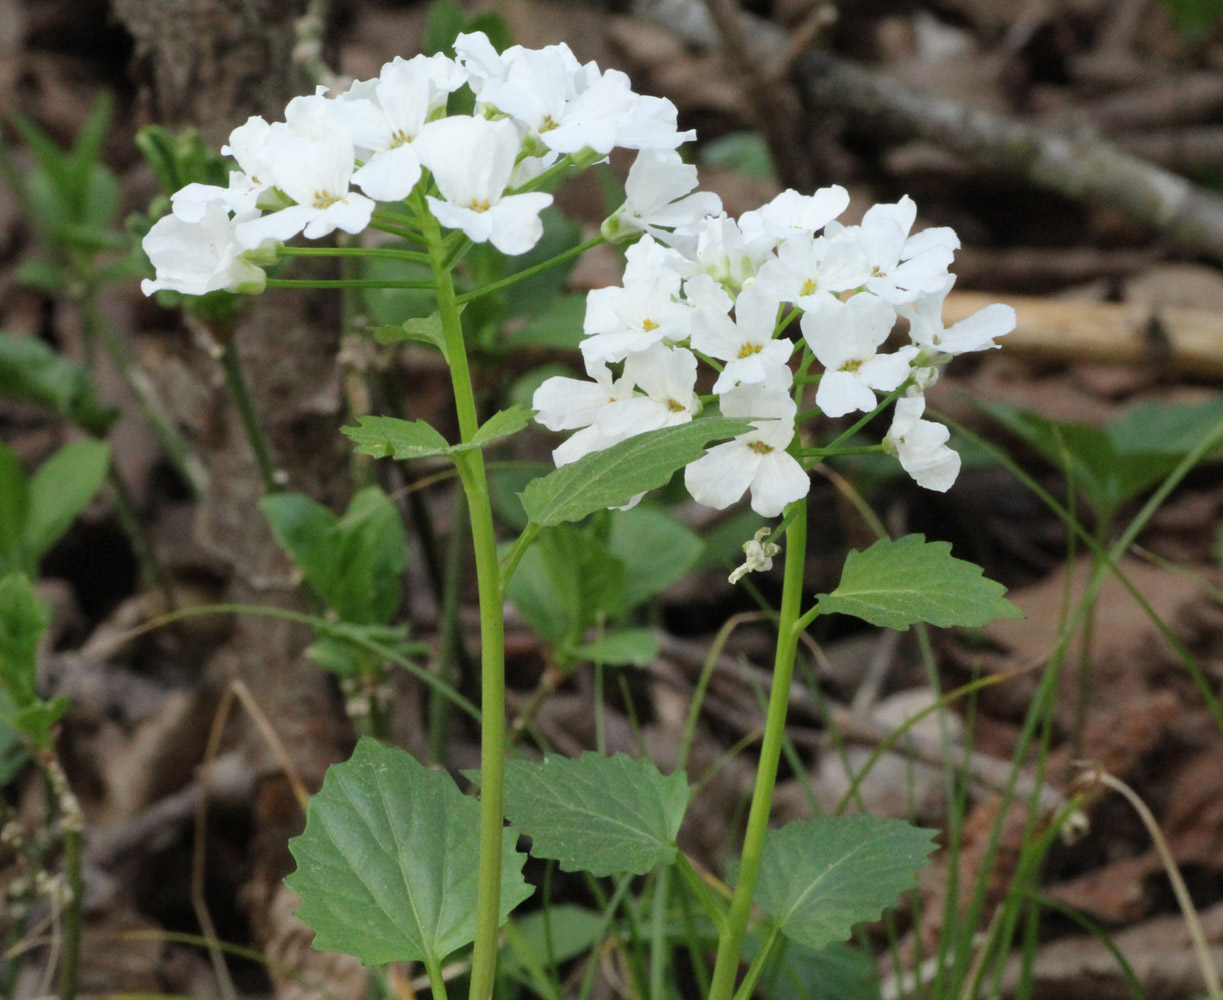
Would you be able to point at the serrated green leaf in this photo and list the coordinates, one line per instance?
(611, 478)
(897, 583)
(499, 425)
(819, 877)
(835, 972)
(60, 490)
(626, 647)
(604, 815)
(564, 582)
(386, 867)
(22, 622)
(390, 437)
(657, 548)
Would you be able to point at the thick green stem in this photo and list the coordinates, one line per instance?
(730, 941)
(470, 465)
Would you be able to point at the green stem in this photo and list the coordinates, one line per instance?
(437, 982)
(232, 366)
(512, 558)
(347, 283)
(530, 272)
(386, 253)
(470, 466)
(142, 545)
(730, 941)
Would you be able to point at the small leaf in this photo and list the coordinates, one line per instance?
(498, 426)
(33, 372)
(604, 815)
(611, 478)
(821, 876)
(390, 437)
(897, 583)
(627, 647)
(22, 622)
(386, 867)
(37, 721)
(59, 491)
(424, 330)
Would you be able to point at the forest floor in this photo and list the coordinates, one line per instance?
(1118, 315)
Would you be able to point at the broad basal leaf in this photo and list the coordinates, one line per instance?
(626, 647)
(390, 437)
(657, 548)
(613, 477)
(821, 876)
(386, 867)
(897, 583)
(604, 815)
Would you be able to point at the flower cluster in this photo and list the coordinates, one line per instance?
(333, 158)
(698, 285)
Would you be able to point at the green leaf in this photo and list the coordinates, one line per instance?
(386, 867)
(835, 972)
(390, 437)
(555, 934)
(353, 563)
(424, 330)
(611, 478)
(657, 548)
(1195, 18)
(442, 26)
(819, 877)
(14, 509)
(564, 581)
(498, 426)
(557, 327)
(59, 491)
(627, 647)
(897, 583)
(32, 372)
(746, 153)
(22, 622)
(604, 815)
(37, 721)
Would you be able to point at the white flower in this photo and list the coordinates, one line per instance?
(199, 257)
(727, 254)
(973, 333)
(564, 404)
(403, 98)
(756, 461)
(921, 446)
(901, 266)
(653, 126)
(807, 269)
(793, 214)
(248, 144)
(657, 195)
(666, 376)
(482, 61)
(745, 343)
(567, 107)
(759, 555)
(311, 161)
(643, 312)
(844, 337)
(472, 160)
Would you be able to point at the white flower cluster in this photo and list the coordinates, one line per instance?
(697, 283)
(533, 107)
(700, 283)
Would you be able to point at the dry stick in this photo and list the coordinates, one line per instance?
(1175, 339)
(1083, 168)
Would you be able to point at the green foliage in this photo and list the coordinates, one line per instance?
(557, 326)
(835, 972)
(1195, 18)
(611, 478)
(179, 160)
(898, 583)
(624, 647)
(30, 371)
(353, 563)
(604, 815)
(1116, 463)
(70, 198)
(554, 934)
(657, 550)
(35, 513)
(819, 877)
(386, 867)
(22, 622)
(390, 437)
(746, 153)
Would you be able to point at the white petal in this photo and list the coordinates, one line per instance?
(841, 393)
(722, 475)
(779, 480)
